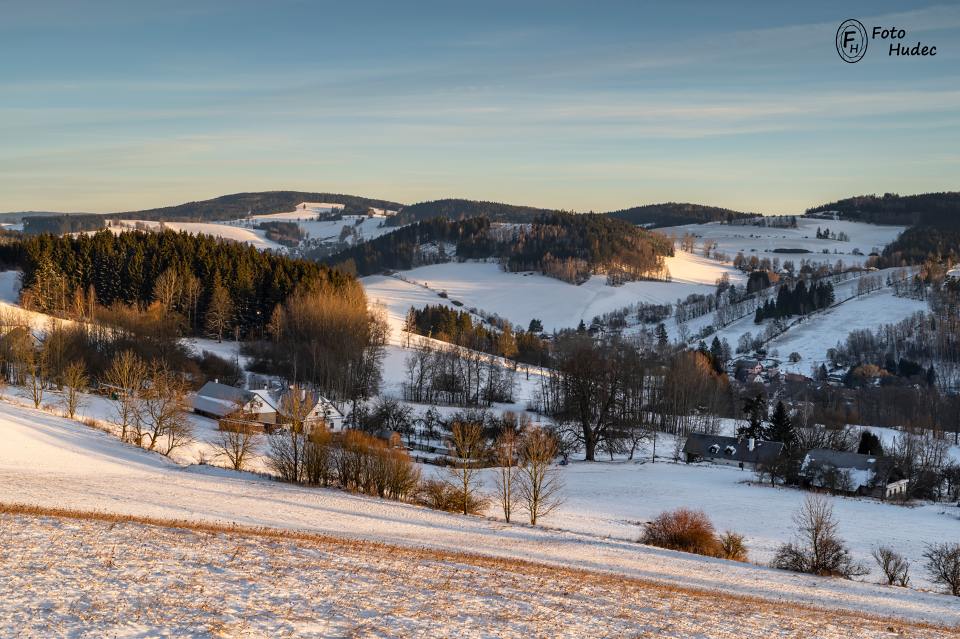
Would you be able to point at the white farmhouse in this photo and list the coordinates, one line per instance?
(216, 400)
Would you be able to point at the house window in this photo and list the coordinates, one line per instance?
(730, 450)
(715, 449)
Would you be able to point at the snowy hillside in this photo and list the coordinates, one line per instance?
(254, 237)
(521, 297)
(763, 241)
(52, 462)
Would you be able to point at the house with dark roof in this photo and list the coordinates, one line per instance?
(730, 451)
(263, 406)
(852, 473)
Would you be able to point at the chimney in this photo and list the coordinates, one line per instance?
(750, 443)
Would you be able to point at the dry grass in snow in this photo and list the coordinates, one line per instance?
(83, 574)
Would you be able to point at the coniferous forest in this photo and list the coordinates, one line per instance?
(127, 268)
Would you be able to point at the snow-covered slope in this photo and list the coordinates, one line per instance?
(521, 297)
(762, 241)
(254, 237)
(53, 462)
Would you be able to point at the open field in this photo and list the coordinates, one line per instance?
(763, 241)
(521, 297)
(90, 575)
(52, 462)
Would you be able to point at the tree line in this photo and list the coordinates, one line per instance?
(458, 327)
(799, 300)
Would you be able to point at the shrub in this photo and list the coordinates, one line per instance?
(732, 546)
(440, 495)
(943, 564)
(683, 529)
(818, 550)
(895, 568)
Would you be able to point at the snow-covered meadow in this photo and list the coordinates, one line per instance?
(53, 462)
(521, 297)
(190, 581)
(763, 241)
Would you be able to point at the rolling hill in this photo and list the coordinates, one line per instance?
(225, 207)
(676, 214)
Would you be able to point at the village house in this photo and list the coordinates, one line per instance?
(263, 406)
(852, 474)
(730, 451)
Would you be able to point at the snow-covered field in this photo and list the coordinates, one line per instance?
(366, 227)
(190, 582)
(762, 241)
(521, 297)
(52, 462)
(814, 335)
(250, 236)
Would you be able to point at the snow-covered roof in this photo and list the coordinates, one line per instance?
(220, 399)
(723, 447)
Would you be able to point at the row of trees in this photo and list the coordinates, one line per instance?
(459, 328)
(524, 454)
(456, 375)
(609, 395)
(800, 300)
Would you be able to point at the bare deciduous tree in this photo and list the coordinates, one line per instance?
(288, 444)
(943, 564)
(127, 373)
(540, 483)
(75, 382)
(818, 549)
(219, 312)
(36, 362)
(506, 451)
(238, 438)
(317, 464)
(469, 447)
(895, 568)
(286, 454)
(161, 423)
(166, 290)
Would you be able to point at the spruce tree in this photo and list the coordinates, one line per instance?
(755, 411)
(662, 339)
(781, 427)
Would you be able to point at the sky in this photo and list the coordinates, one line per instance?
(112, 106)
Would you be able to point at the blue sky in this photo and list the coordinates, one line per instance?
(587, 106)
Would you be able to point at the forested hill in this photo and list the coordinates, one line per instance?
(677, 213)
(939, 210)
(567, 246)
(226, 207)
(454, 209)
(127, 269)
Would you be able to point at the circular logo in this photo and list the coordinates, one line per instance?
(851, 40)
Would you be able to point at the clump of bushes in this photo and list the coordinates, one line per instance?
(818, 549)
(943, 564)
(692, 531)
(441, 495)
(893, 565)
